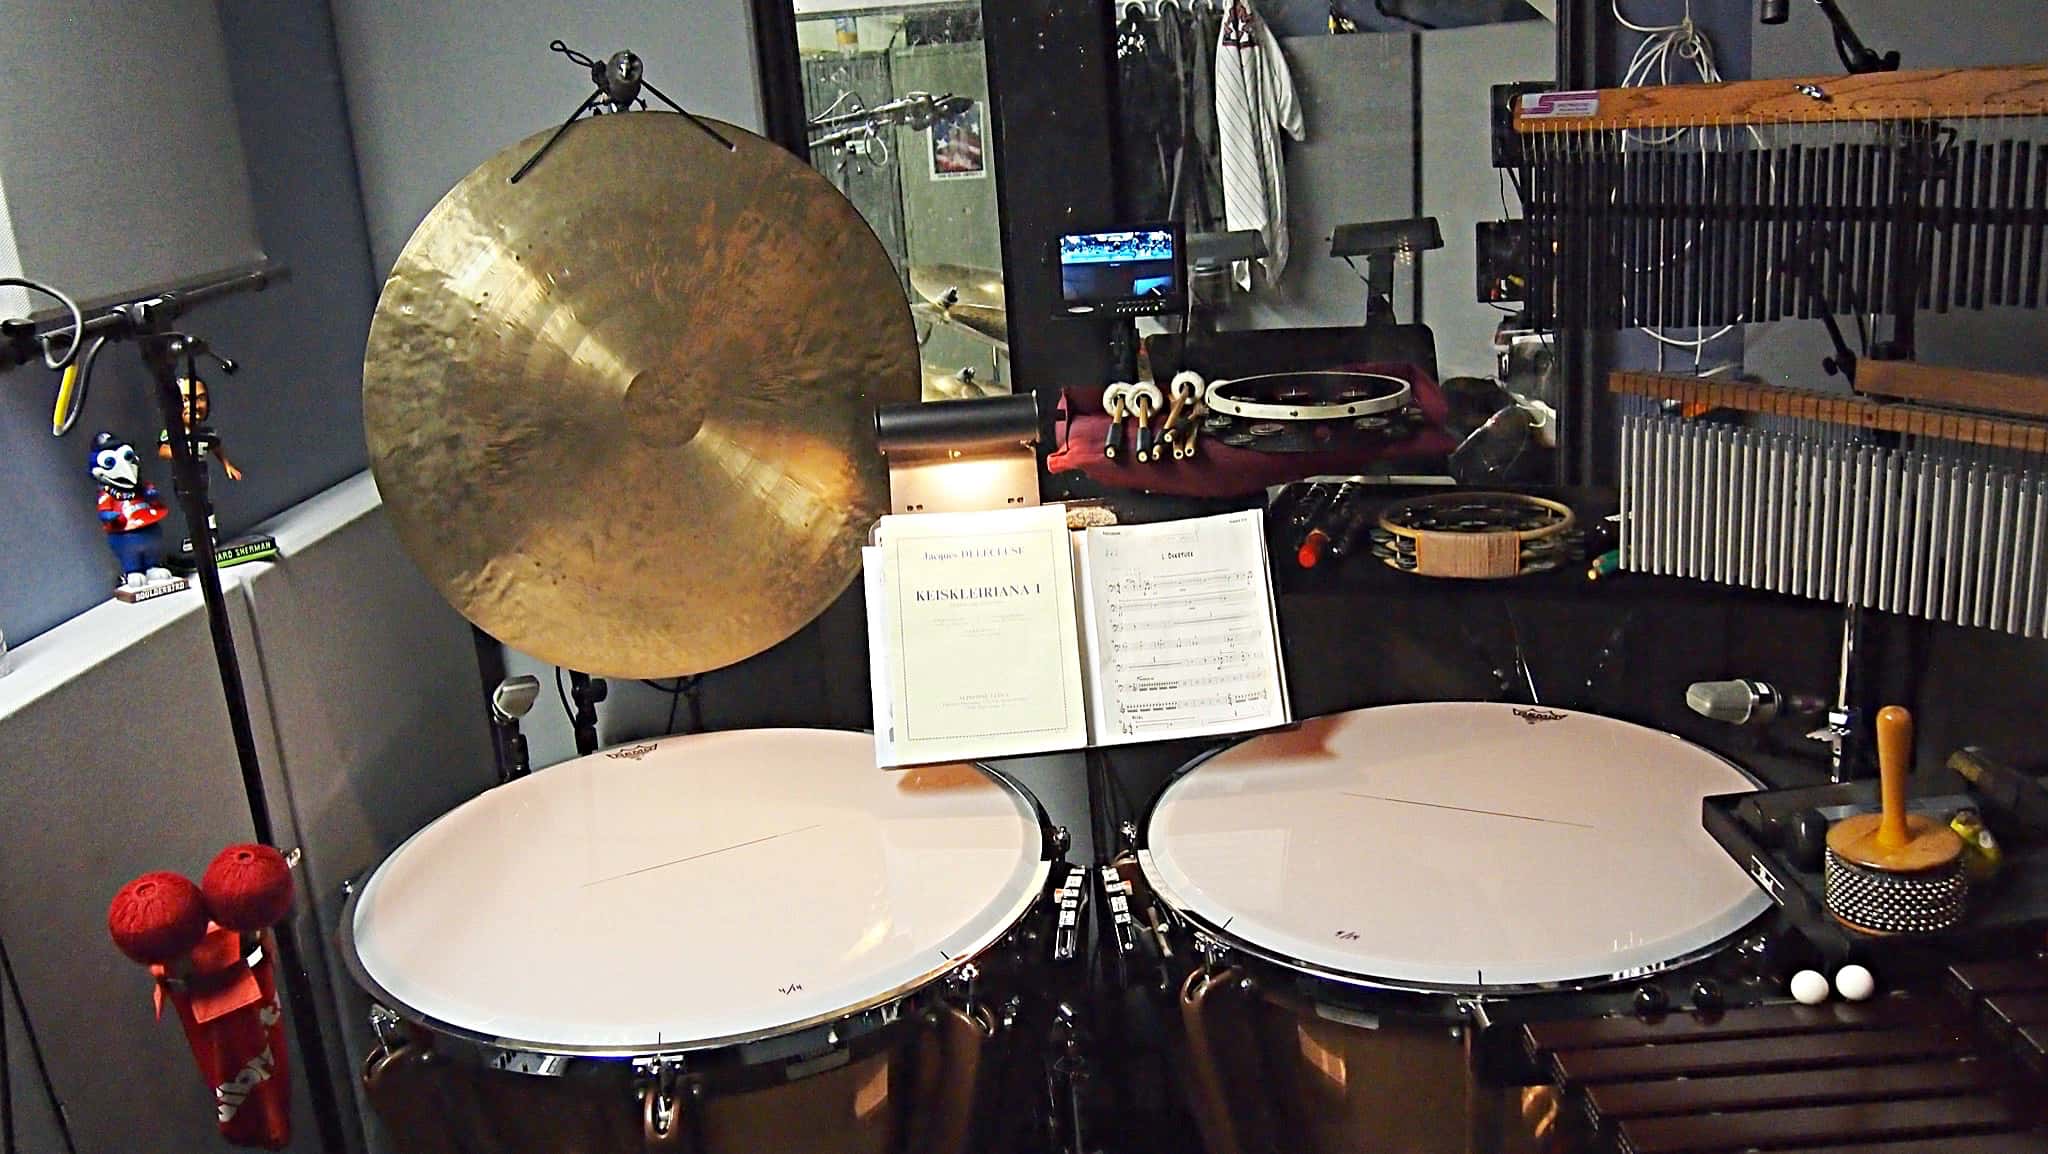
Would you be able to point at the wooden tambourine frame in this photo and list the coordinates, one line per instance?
(1473, 555)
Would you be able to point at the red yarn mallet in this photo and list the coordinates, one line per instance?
(157, 918)
(248, 888)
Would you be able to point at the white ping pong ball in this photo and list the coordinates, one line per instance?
(1810, 987)
(1855, 983)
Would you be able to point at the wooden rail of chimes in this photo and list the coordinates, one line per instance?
(1701, 206)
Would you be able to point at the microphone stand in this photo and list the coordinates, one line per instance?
(150, 325)
(1857, 57)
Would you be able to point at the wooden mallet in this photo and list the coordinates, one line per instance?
(1894, 872)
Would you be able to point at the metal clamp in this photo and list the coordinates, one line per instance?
(963, 979)
(388, 1027)
(1214, 954)
(660, 1078)
(1117, 892)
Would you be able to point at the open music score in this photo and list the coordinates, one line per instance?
(1176, 637)
(1179, 630)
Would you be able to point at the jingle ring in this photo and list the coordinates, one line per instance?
(1392, 395)
(1410, 538)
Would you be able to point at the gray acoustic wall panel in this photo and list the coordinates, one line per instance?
(36, 1130)
(119, 762)
(372, 683)
(292, 417)
(362, 687)
(119, 147)
(1460, 186)
(438, 86)
(1357, 163)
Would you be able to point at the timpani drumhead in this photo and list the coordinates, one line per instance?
(1455, 846)
(695, 891)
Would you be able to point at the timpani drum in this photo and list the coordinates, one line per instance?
(746, 941)
(1359, 898)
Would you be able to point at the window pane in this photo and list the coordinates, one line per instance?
(897, 96)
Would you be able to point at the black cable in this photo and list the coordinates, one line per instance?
(562, 695)
(35, 1049)
(6, 1086)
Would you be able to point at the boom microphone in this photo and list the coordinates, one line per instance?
(1746, 702)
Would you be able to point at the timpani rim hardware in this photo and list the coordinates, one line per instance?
(1497, 729)
(696, 755)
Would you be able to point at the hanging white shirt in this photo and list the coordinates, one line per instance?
(1255, 103)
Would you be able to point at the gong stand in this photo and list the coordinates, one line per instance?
(585, 692)
(619, 80)
(149, 324)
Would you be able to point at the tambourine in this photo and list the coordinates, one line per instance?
(1475, 535)
(1310, 411)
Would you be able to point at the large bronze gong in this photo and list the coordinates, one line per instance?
(622, 412)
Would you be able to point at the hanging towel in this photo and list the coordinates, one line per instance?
(1255, 103)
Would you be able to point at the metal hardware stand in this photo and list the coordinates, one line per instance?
(149, 323)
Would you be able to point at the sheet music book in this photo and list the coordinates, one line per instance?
(1169, 631)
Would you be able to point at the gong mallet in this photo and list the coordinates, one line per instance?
(1894, 872)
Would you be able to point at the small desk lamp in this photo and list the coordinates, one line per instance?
(961, 456)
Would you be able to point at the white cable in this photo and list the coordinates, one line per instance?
(1652, 59)
(844, 96)
(1695, 344)
(1624, 21)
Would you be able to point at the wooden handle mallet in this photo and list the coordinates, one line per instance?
(1894, 872)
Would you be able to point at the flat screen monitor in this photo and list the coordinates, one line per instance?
(1125, 272)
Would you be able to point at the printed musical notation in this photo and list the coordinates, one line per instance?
(1185, 642)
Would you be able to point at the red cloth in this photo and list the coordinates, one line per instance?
(1220, 470)
(235, 1027)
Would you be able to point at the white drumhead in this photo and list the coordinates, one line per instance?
(696, 891)
(1452, 846)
